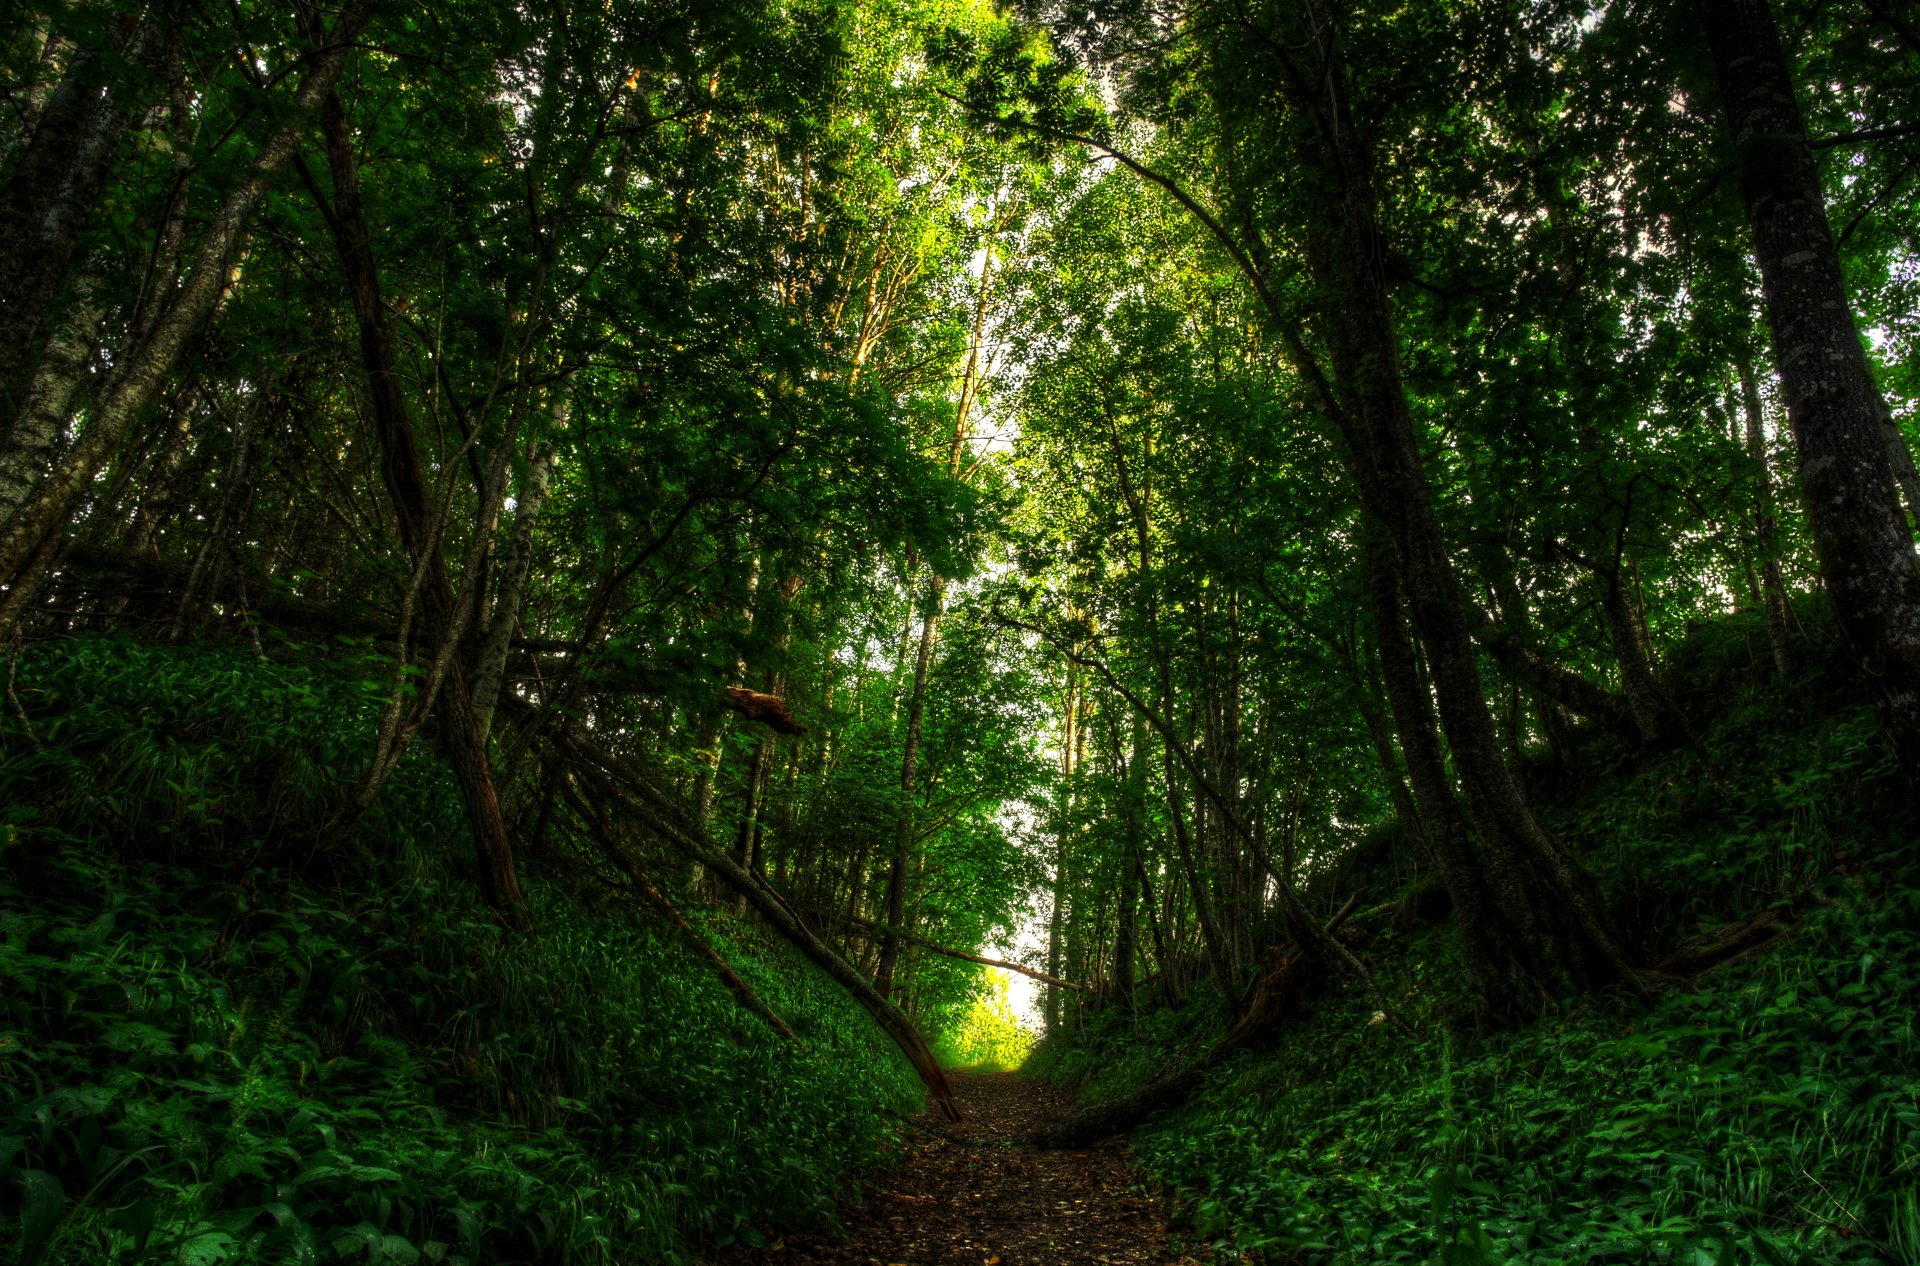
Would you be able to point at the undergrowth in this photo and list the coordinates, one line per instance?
(214, 1048)
(989, 1037)
(1767, 1112)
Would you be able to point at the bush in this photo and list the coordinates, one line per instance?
(989, 1037)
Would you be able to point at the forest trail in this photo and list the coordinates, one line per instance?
(945, 1204)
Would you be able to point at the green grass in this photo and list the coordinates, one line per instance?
(215, 1048)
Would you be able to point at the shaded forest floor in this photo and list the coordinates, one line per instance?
(945, 1202)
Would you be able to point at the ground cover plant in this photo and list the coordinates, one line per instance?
(579, 583)
(211, 1060)
(1764, 1111)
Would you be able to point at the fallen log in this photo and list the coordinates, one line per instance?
(631, 791)
(1278, 992)
(1735, 940)
(637, 882)
(964, 956)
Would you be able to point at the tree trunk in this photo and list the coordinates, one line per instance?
(221, 545)
(510, 594)
(26, 535)
(1057, 909)
(1559, 686)
(47, 405)
(1132, 807)
(1387, 755)
(645, 802)
(930, 622)
(1630, 651)
(1839, 417)
(51, 193)
(1766, 542)
(1495, 905)
(746, 844)
(1341, 247)
(406, 485)
(901, 862)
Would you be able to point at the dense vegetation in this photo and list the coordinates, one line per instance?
(567, 571)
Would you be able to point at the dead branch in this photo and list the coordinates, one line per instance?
(769, 710)
(964, 956)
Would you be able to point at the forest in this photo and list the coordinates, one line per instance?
(959, 631)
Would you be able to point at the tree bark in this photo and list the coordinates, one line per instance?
(510, 594)
(1498, 910)
(1057, 908)
(406, 485)
(1380, 734)
(1132, 806)
(144, 367)
(1766, 542)
(52, 191)
(1341, 245)
(1630, 651)
(1839, 416)
(47, 404)
(901, 860)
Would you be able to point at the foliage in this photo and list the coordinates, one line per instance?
(1763, 1113)
(989, 1036)
(1124, 477)
(207, 1063)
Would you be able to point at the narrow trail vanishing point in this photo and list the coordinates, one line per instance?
(945, 1204)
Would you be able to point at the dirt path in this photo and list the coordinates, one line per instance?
(945, 1204)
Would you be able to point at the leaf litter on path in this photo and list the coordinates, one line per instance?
(946, 1204)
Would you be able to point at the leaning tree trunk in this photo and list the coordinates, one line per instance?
(53, 189)
(1341, 244)
(462, 735)
(642, 800)
(1494, 901)
(47, 404)
(1839, 417)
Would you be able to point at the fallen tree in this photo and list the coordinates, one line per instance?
(1277, 994)
(882, 929)
(598, 829)
(633, 792)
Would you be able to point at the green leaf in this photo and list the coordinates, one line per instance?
(135, 1221)
(42, 1198)
(206, 1248)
